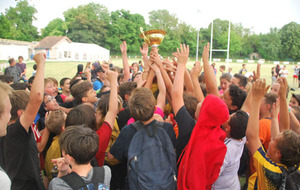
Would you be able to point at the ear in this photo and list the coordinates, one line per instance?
(232, 107)
(84, 99)
(127, 96)
(278, 154)
(20, 112)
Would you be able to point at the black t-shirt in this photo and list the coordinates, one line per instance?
(20, 158)
(186, 125)
(123, 117)
(120, 148)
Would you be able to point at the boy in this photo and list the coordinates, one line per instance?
(79, 146)
(22, 67)
(55, 123)
(5, 107)
(65, 87)
(13, 70)
(20, 156)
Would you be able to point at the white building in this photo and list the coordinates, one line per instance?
(15, 48)
(61, 48)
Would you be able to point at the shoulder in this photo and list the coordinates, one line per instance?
(58, 183)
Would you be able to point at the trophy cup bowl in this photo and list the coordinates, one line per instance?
(153, 37)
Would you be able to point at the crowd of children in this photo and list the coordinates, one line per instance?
(154, 125)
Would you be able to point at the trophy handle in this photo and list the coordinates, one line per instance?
(145, 38)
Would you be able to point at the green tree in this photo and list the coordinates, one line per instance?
(5, 27)
(56, 27)
(269, 45)
(125, 27)
(21, 18)
(87, 23)
(290, 41)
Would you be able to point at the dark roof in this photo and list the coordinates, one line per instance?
(50, 41)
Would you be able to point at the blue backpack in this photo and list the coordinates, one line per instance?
(151, 159)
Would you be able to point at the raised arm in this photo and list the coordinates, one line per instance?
(188, 82)
(177, 90)
(274, 118)
(36, 93)
(210, 78)
(195, 72)
(126, 72)
(284, 118)
(252, 133)
(110, 117)
(161, 98)
(144, 51)
(294, 123)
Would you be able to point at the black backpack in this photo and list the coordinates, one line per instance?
(291, 179)
(151, 159)
(77, 183)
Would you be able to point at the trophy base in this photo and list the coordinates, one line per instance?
(155, 46)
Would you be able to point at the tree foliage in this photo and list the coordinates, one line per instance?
(93, 23)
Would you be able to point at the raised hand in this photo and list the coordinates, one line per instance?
(123, 47)
(196, 70)
(62, 166)
(169, 66)
(111, 76)
(182, 54)
(40, 57)
(256, 75)
(259, 89)
(283, 86)
(144, 50)
(205, 53)
(275, 109)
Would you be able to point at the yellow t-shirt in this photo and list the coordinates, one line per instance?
(52, 153)
(268, 174)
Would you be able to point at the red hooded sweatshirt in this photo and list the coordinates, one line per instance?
(204, 154)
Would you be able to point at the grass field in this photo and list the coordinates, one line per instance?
(69, 69)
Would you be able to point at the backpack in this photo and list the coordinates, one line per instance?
(114, 135)
(13, 71)
(77, 183)
(151, 159)
(291, 179)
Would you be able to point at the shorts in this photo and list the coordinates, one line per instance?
(295, 76)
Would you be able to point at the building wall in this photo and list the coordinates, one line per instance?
(8, 51)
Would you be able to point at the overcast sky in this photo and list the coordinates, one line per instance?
(259, 15)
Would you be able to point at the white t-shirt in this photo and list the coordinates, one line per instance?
(284, 73)
(5, 182)
(228, 177)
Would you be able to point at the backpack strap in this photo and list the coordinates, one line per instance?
(74, 181)
(98, 175)
(139, 125)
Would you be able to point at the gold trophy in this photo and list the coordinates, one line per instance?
(153, 37)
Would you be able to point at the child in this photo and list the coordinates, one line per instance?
(79, 146)
(65, 87)
(55, 123)
(20, 156)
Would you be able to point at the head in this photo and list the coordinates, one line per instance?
(30, 81)
(222, 68)
(7, 79)
(55, 83)
(296, 112)
(266, 104)
(20, 59)
(201, 78)
(135, 67)
(285, 148)
(136, 76)
(236, 125)
(49, 87)
(120, 79)
(213, 65)
(19, 100)
(234, 97)
(125, 89)
(34, 67)
(295, 100)
(79, 144)
(65, 84)
(84, 92)
(55, 121)
(239, 80)
(103, 106)
(20, 86)
(244, 66)
(5, 107)
(105, 66)
(142, 104)
(190, 102)
(50, 103)
(82, 115)
(12, 62)
(225, 81)
(275, 87)
(100, 72)
(229, 69)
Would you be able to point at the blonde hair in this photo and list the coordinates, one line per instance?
(5, 90)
